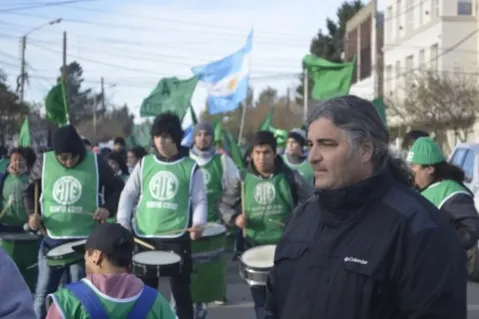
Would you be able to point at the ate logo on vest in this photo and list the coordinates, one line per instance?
(163, 186)
(264, 193)
(67, 190)
(206, 176)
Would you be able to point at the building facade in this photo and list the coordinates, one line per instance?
(438, 35)
(363, 39)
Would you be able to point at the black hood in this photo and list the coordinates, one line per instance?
(66, 140)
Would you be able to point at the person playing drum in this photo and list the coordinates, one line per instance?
(218, 169)
(68, 179)
(108, 285)
(271, 191)
(172, 205)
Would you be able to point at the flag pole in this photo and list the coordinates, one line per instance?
(65, 78)
(243, 117)
(305, 95)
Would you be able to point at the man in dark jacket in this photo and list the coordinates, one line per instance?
(271, 191)
(367, 246)
(69, 180)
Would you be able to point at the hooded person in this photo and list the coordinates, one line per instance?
(172, 204)
(109, 290)
(295, 156)
(66, 184)
(218, 171)
(271, 192)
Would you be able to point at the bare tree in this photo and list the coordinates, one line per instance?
(437, 101)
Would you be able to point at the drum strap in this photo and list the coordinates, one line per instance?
(95, 309)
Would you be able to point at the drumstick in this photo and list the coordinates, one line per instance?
(5, 209)
(144, 244)
(276, 222)
(181, 230)
(242, 207)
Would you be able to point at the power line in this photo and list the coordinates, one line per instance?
(42, 5)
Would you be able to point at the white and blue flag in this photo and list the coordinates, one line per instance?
(188, 137)
(227, 79)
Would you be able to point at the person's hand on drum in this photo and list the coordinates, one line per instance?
(240, 221)
(101, 214)
(34, 222)
(195, 232)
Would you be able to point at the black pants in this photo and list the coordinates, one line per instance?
(258, 293)
(180, 284)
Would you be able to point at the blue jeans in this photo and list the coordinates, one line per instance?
(49, 279)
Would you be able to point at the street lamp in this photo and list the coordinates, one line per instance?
(24, 47)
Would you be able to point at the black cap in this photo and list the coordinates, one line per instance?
(111, 239)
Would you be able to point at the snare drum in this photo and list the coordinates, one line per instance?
(156, 264)
(23, 248)
(255, 264)
(64, 255)
(208, 282)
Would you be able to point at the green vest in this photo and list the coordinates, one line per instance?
(268, 203)
(13, 187)
(164, 207)
(69, 197)
(213, 177)
(304, 168)
(69, 305)
(438, 193)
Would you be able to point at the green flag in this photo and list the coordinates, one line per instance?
(268, 120)
(24, 136)
(381, 108)
(330, 79)
(218, 130)
(194, 119)
(56, 104)
(231, 146)
(171, 94)
(140, 136)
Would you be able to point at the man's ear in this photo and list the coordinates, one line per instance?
(366, 152)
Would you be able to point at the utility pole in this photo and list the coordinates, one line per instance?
(102, 103)
(22, 74)
(288, 99)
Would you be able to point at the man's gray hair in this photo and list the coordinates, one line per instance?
(362, 123)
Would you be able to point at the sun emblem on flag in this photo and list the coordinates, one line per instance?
(232, 84)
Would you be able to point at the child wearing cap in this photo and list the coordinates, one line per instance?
(442, 184)
(109, 290)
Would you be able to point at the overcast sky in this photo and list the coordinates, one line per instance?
(134, 43)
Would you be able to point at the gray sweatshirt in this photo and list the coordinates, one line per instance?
(16, 300)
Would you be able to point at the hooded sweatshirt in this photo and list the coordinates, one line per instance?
(66, 140)
(16, 301)
(118, 286)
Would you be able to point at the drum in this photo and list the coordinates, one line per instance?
(156, 264)
(255, 264)
(23, 248)
(208, 278)
(64, 255)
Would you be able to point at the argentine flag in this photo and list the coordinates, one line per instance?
(188, 137)
(227, 79)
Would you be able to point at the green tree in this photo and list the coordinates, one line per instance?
(329, 45)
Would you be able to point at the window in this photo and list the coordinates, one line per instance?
(434, 56)
(464, 7)
(409, 16)
(422, 58)
(435, 8)
(421, 12)
(398, 18)
(468, 165)
(388, 79)
(389, 24)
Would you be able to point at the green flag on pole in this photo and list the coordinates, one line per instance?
(381, 108)
(24, 138)
(330, 79)
(266, 124)
(56, 104)
(194, 118)
(171, 94)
